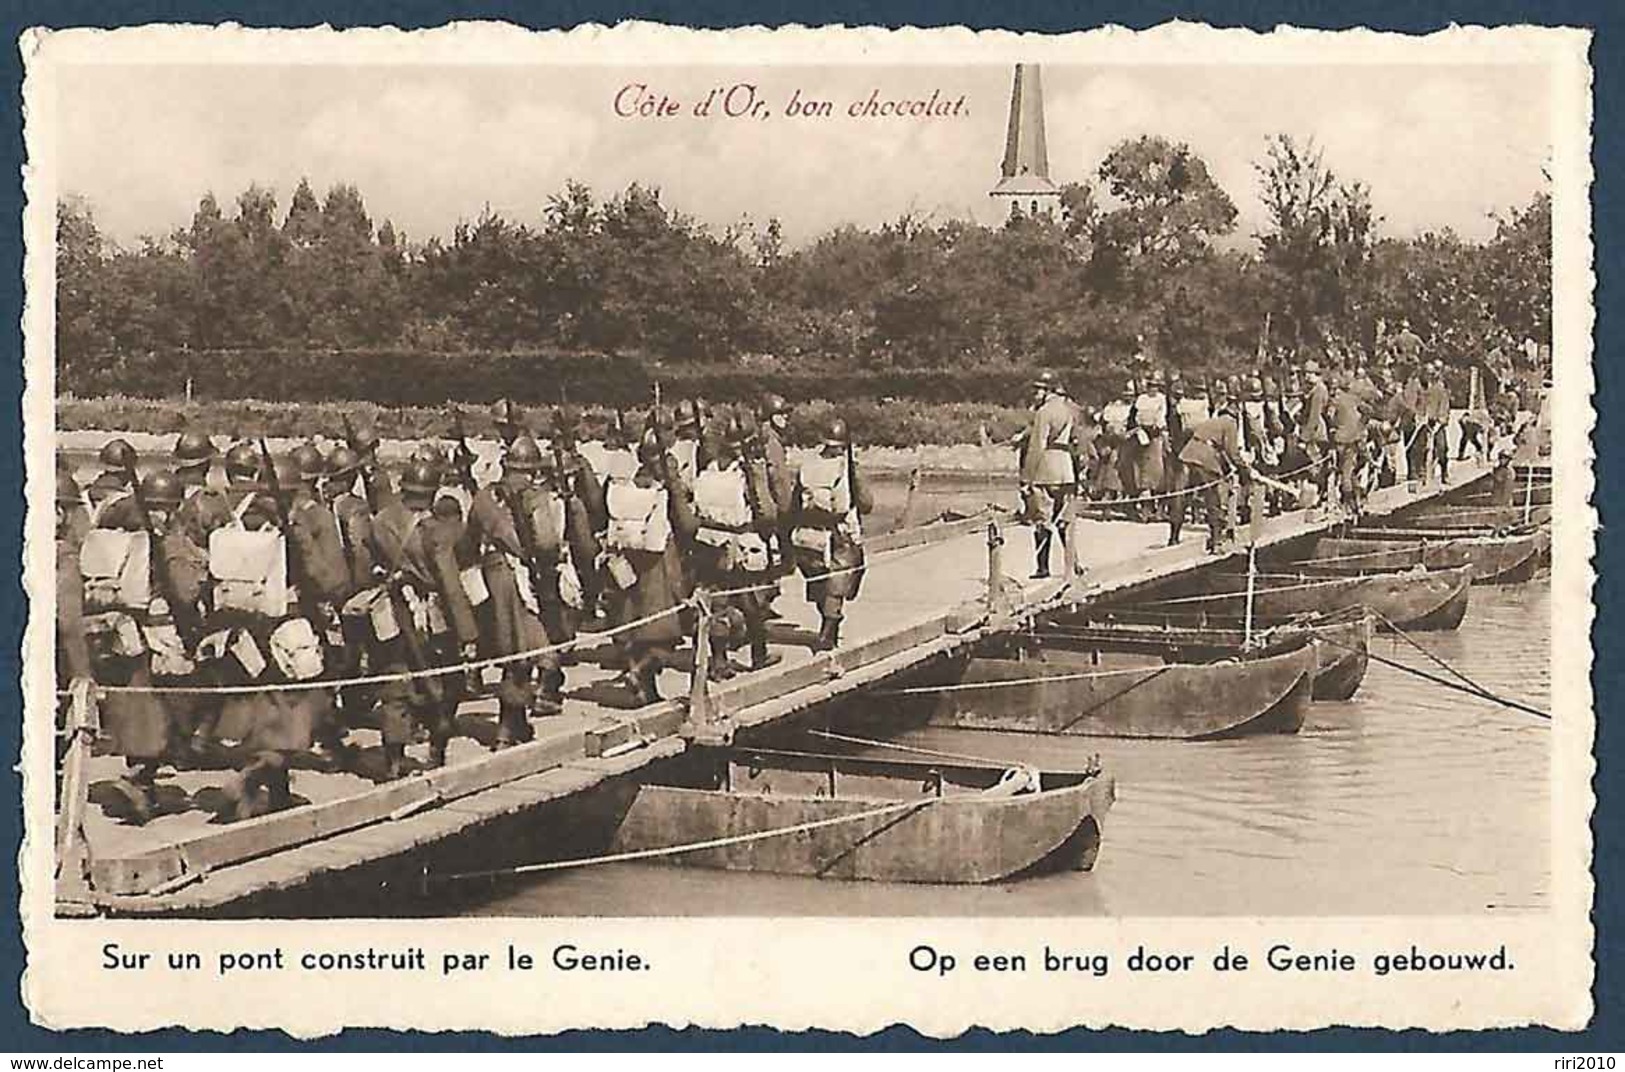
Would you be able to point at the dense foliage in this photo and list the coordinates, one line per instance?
(600, 298)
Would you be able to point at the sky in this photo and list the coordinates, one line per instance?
(429, 146)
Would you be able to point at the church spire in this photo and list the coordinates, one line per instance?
(1024, 174)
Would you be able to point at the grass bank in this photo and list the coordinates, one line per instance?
(903, 424)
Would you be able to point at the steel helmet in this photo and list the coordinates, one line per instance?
(649, 449)
(307, 462)
(117, 454)
(192, 449)
(774, 404)
(1044, 381)
(524, 456)
(504, 412)
(837, 434)
(342, 461)
(161, 487)
(420, 478)
(364, 441)
(242, 461)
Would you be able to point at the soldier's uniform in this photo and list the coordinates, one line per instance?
(429, 622)
(1150, 437)
(829, 501)
(204, 508)
(781, 475)
(1314, 430)
(737, 516)
(1049, 475)
(1349, 440)
(650, 525)
(1436, 422)
(1211, 456)
(581, 487)
(1115, 418)
(353, 520)
(525, 603)
(143, 585)
(72, 523)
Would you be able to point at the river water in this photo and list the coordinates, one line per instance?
(1409, 799)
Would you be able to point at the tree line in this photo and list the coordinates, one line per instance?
(1141, 257)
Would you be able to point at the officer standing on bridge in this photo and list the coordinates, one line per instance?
(1211, 458)
(1049, 475)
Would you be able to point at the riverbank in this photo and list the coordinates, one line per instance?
(938, 429)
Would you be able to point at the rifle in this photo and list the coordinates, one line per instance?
(188, 622)
(307, 599)
(527, 542)
(701, 456)
(463, 457)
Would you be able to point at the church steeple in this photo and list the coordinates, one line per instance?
(1024, 174)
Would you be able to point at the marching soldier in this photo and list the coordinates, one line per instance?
(1211, 456)
(650, 520)
(429, 622)
(581, 489)
(204, 509)
(72, 523)
(519, 533)
(353, 521)
(736, 516)
(685, 449)
(781, 477)
(375, 482)
(143, 585)
(112, 491)
(1435, 421)
(1349, 442)
(829, 501)
(1115, 419)
(1313, 429)
(1049, 473)
(509, 420)
(1150, 441)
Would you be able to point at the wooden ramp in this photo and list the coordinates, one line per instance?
(926, 593)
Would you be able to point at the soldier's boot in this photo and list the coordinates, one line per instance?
(394, 761)
(645, 677)
(829, 634)
(760, 657)
(720, 669)
(1041, 545)
(549, 698)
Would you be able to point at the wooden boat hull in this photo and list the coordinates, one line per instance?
(909, 835)
(1343, 655)
(1538, 495)
(1177, 701)
(1494, 559)
(1449, 516)
(1413, 599)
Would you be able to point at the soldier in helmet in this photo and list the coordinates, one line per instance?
(353, 520)
(204, 508)
(111, 491)
(509, 420)
(1210, 458)
(737, 516)
(72, 523)
(242, 465)
(685, 448)
(1150, 440)
(518, 532)
(376, 484)
(651, 522)
(582, 491)
(828, 503)
(143, 623)
(1049, 473)
(1116, 459)
(430, 621)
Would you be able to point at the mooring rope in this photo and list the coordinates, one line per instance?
(1436, 659)
(692, 846)
(1481, 693)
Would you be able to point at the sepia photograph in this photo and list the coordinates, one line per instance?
(513, 479)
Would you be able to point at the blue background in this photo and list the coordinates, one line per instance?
(1608, 19)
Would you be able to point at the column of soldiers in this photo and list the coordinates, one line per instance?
(230, 604)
